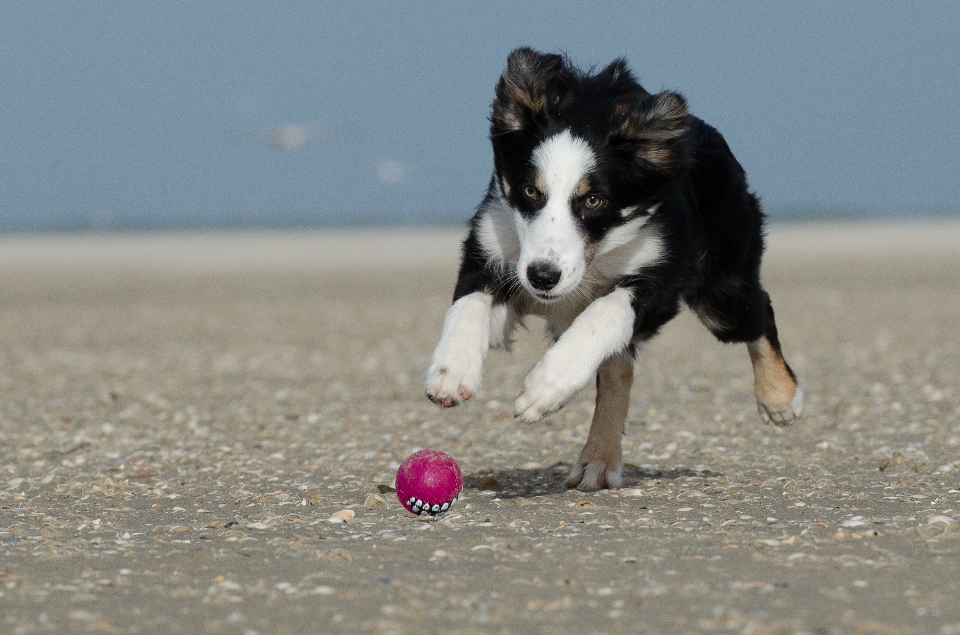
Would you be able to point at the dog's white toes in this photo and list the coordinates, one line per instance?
(784, 415)
(544, 391)
(531, 407)
(447, 388)
(527, 411)
(592, 476)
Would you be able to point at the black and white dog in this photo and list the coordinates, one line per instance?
(608, 206)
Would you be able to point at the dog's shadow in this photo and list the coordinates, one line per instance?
(547, 481)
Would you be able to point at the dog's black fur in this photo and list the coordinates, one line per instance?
(648, 179)
(711, 224)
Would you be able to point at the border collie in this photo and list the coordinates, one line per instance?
(607, 207)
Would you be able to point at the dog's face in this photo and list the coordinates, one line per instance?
(581, 160)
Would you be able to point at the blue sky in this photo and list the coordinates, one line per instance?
(121, 115)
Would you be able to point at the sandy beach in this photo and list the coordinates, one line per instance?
(185, 418)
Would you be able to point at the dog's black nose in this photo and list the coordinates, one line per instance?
(543, 275)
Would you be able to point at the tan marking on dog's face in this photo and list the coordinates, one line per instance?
(772, 381)
(583, 186)
(539, 182)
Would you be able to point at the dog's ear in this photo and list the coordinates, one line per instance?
(655, 128)
(530, 82)
(616, 74)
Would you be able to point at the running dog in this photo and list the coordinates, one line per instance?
(608, 206)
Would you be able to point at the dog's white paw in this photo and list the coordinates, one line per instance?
(457, 363)
(545, 389)
(595, 475)
(782, 415)
(452, 380)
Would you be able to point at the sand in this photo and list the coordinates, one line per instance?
(198, 434)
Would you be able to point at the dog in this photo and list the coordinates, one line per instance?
(607, 209)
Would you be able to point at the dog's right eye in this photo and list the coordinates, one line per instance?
(531, 192)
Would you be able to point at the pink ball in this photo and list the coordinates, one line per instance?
(429, 482)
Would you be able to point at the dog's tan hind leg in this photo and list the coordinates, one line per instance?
(779, 397)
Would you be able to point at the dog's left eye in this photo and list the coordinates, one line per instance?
(592, 202)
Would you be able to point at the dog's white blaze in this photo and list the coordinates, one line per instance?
(561, 162)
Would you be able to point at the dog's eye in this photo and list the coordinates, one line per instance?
(531, 192)
(592, 202)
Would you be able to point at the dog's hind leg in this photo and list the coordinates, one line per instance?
(747, 316)
(779, 396)
(601, 460)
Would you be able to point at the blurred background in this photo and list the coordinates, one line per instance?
(177, 115)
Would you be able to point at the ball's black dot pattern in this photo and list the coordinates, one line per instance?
(420, 507)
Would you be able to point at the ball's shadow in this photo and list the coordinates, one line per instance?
(549, 481)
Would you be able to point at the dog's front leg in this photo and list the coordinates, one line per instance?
(603, 329)
(457, 363)
(601, 460)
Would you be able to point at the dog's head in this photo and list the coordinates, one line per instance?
(577, 157)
